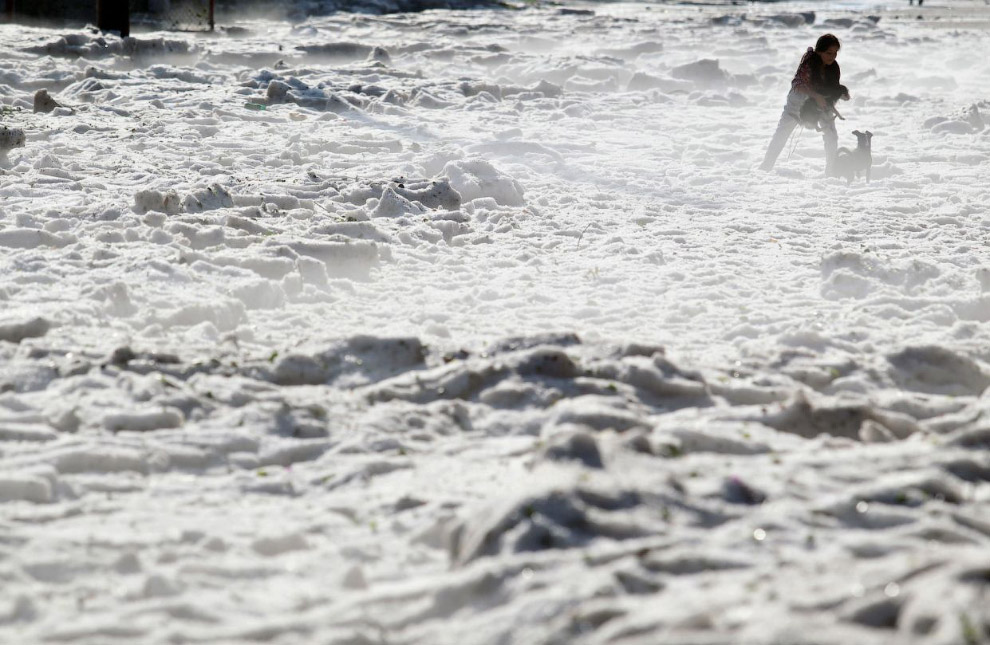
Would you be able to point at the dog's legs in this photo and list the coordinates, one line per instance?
(868, 172)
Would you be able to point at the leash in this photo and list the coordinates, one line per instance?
(794, 139)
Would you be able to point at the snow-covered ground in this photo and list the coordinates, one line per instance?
(488, 330)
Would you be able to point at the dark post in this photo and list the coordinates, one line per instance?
(212, 23)
(114, 15)
(9, 12)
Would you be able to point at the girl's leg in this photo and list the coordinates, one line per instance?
(789, 120)
(785, 126)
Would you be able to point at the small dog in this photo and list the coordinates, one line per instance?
(850, 163)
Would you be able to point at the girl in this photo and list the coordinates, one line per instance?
(816, 81)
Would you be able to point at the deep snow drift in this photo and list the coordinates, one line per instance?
(487, 330)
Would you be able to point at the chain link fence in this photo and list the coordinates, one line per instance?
(32, 11)
(172, 15)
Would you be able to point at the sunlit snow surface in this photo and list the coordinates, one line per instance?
(488, 330)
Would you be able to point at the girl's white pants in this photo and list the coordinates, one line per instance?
(790, 119)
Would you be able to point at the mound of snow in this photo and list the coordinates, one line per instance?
(392, 204)
(706, 71)
(474, 179)
(152, 200)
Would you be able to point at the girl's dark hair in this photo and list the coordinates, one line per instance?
(826, 41)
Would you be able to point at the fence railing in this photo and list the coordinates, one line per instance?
(116, 15)
(176, 15)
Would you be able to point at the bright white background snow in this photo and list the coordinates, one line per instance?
(488, 330)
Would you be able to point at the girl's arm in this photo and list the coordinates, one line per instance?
(802, 79)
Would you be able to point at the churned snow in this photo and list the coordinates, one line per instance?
(487, 329)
